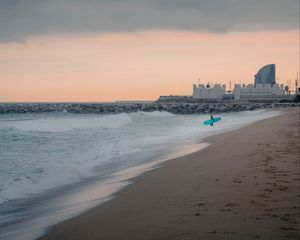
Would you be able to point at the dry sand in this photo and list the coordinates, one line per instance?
(245, 185)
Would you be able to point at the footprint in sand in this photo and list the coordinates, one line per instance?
(230, 204)
(263, 195)
(285, 219)
(201, 204)
(293, 222)
(268, 190)
(225, 209)
(291, 236)
(237, 181)
(289, 228)
(282, 181)
(282, 171)
(269, 210)
(272, 200)
(282, 175)
(229, 233)
(282, 188)
(258, 203)
(256, 236)
(270, 171)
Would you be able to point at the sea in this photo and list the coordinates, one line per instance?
(55, 166)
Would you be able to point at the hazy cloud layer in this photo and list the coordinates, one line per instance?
(20, 19)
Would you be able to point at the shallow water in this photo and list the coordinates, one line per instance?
(54, 166)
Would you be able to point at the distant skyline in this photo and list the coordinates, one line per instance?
(75, 50)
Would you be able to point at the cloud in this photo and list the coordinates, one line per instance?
(20, 19)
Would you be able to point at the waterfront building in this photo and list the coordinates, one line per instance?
(265, 75)
(261, 93)
(264, 88)
(214, 92)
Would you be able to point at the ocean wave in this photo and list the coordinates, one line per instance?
(157, 114)
(65, 123)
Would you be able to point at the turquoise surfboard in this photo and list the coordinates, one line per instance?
(210, 121)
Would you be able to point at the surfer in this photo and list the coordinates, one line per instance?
(212, 118)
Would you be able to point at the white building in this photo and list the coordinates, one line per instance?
(260, 92)
(216, 92)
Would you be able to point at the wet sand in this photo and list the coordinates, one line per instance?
(245, 185)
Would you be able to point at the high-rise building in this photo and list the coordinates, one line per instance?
(265, 75)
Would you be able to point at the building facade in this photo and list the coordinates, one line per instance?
(264, 89)
(265, 75)
(260, 93)
(214, 92)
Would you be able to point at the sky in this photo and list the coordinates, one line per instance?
(107, 50)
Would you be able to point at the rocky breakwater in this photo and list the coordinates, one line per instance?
(113, 108)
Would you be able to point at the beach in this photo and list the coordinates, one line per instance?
(244, 185)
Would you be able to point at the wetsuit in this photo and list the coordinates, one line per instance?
(212, 118)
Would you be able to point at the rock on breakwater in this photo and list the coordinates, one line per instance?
(111, 108)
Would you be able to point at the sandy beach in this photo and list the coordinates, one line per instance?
(244, 185)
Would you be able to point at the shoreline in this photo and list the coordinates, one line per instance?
(179, 211)
(75, 199)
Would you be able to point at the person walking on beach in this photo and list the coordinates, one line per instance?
(212, 118)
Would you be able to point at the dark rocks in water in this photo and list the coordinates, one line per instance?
(110, 108)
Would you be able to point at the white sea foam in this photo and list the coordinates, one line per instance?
(53, 150)
(67, 123)
(156, 114)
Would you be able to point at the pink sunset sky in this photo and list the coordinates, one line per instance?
(139, 65)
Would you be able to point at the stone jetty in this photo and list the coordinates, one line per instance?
(113, 108)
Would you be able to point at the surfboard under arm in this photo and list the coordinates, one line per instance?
(211, 121)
